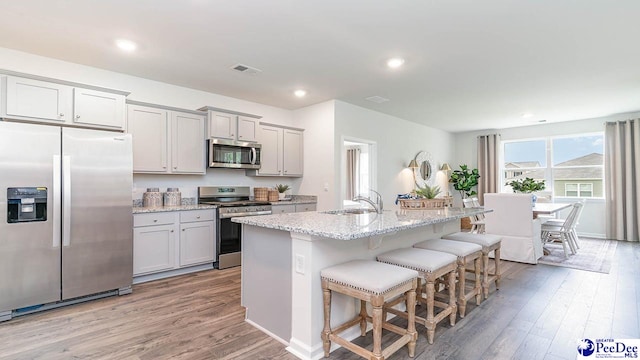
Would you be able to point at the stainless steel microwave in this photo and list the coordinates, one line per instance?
(234, 154)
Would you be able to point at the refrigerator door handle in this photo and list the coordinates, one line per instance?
(66, 200)
(56, 200)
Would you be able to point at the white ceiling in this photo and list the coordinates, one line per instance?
(470, 64)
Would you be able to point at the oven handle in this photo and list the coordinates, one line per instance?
(254, 213)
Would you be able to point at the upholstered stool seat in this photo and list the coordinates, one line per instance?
(489, 243)
(466, 253)
(377, 283)
(431, 265)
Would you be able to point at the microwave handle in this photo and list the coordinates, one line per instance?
(253, 157)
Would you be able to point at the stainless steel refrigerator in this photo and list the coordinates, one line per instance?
(65, 214)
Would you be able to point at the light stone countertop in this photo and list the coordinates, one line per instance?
(356, 226)
(144, 210)
(297, 200)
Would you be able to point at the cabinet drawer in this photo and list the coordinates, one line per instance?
(305, 207)
(283, 209)
(160, 218)
(196, 215)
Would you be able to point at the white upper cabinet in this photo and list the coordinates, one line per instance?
(187, 143)
(247, 129)
(231, 125)
(36, 99)
(149, 128)
(44, 101)
(98, 108)
(281, 153)
(222, 126)
(166, 141)
(292, 152)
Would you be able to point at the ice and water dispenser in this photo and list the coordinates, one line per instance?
(25, 204)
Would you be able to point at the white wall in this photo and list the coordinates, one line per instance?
(319, 168)
(398, 141)
(592, 220)
(164, 94)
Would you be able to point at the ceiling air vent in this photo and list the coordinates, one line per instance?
(377, 99)
(245, 69)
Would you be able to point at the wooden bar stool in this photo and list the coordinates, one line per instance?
(431, 265)
(466, 253)
(489, 243)
(373, 282)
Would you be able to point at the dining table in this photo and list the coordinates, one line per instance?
(548, 208)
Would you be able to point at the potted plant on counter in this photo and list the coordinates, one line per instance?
(282, 188)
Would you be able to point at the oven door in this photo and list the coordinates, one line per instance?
(229, 243)
(233, 154)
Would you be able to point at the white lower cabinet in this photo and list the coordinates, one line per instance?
(154, 249)
(167, 241)
(290, 208)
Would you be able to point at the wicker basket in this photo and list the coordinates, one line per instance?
(261, 193)
(421, 204)
(273, 195)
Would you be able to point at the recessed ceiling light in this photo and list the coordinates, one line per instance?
(126, 45)
(300, 93)
(395, 63)
(527, 115)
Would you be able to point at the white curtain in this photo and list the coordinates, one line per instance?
(353, 172)
(488, 165)
(622, 179)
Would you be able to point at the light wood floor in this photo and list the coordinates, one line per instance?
(539, 313)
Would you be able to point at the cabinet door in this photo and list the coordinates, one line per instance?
(292, 153)
(154, 249)
(271, 153)
(187, 143)
(247, 129)
(197, 243)
(98, 108)
(283, 209)
(305, 207)
(38, 99)
(222, 125)
(148, 127)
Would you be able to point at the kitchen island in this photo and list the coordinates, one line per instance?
(283, 255)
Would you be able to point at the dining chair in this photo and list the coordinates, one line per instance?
(564, 230)
(477, 221)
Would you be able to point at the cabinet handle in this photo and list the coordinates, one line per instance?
(285, 171)
(155, 220)
(61, 114)
(77, 116)
(182, 229)
(197, 217)
(239, 136)
(175, 167)
(171, 230)
(231, 134)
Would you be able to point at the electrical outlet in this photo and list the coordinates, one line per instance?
(300, 264)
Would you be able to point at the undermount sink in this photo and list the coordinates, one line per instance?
(351, 211)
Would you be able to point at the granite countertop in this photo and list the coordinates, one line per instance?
(143, 210)
(356, 226)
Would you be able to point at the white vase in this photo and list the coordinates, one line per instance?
(281, 196)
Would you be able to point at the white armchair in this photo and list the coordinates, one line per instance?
(512, 219)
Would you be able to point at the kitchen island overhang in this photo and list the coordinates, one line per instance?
(283, 255)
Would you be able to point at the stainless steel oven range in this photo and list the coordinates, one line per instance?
(232, 201)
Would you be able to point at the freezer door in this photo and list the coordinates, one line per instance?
(97, 226)
(29, 251)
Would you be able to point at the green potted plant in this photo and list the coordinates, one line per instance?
(527, 186)
(282, 188)
(464, 180)
(428, 192)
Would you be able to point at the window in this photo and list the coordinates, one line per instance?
(578, 190)
(571, 166)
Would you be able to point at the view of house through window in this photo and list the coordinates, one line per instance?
(571, 166)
